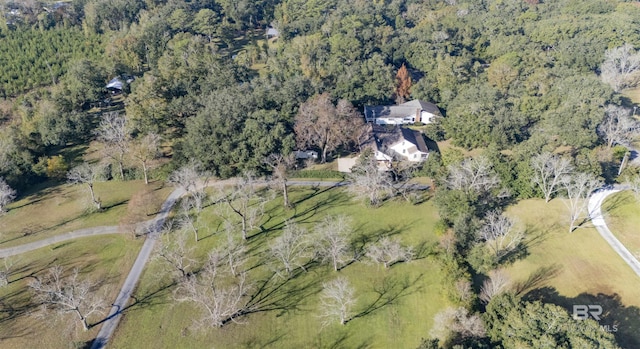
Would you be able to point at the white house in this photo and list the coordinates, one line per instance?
(390, 143)
(405, 113)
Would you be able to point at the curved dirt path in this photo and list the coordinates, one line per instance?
(597, 218)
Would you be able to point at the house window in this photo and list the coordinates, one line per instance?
(414, 156)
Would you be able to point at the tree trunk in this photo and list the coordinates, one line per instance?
(324, 154)
(121, 168)
(96, 203)
(285, 193)
(144, 171)
(83, 320)
(244, 227)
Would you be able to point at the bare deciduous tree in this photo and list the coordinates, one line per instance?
(187, 219)
(500, 233)
(186, 178)
(114, 133)
(232, 252)
(620, 67)
(5, 271)
(473, 175)
(219, 300)
(246, 203)
(292, 248)
(578, 188)
(548, 170)
(633, 182)
(144, 151)
(7, 194)
(617, 127)
(280, 165)
(68, 295)
(389, 251)
(88, 175)
(321, 124)
(497, 283)
(332, 240)
(172, 249)
(368, 182)
(457, 320)
(337, 300)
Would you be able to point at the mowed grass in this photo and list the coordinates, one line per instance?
(575, 268)
(104, 260)
(64, 208)
(623, 219)
(394, 308)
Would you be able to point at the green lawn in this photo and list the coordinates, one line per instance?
(60, 209)
(413, 290)
(623, 219)
(575, 268)
(103, 259)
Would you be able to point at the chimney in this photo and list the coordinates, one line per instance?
(418, 115)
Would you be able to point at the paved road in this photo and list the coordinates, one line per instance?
(12, 251)
(110, 324)
(597, 218)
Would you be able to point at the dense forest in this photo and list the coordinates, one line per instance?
(515, 77)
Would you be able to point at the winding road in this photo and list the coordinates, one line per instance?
(597, 218)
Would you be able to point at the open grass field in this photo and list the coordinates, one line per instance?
(632, 94)
(63, 208)
(623, 219)
(101, 259)
(394, 308)
(576, 268)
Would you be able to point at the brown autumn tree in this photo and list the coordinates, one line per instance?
(319, 123)
(403, 88)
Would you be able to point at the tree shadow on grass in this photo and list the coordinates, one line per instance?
(278, 294)
(388, 291)
(317, 190)
(537, 279)
(615, 201)
(623, 321)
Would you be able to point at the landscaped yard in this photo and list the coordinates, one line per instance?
(576, 268)
(622, 213)
(63, 208)
(394, 308)
(103, 259)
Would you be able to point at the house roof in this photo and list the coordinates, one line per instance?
(416, 138)
(400, 111)
(382, 138)
(272, 32)
(425, 106)
(115, 83)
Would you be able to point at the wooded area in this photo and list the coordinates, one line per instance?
(536, 85)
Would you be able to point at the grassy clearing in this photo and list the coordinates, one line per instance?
(413, 289)
(623, 219)
(102, 259)
(62, 208)
(633, 94)
(576, 268)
